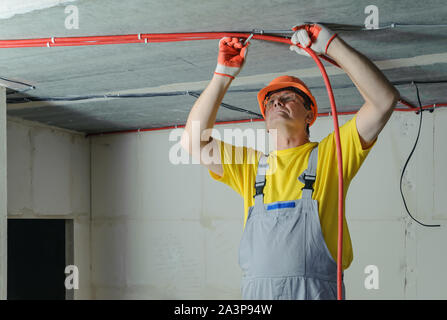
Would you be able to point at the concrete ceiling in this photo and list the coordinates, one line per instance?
(405, 54)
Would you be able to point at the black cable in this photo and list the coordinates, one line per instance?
(96, 96)
(228, 106)
(408, 159)
(181, 93)
(30, 87)
(393, 25)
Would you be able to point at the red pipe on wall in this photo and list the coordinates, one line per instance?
(324, 114)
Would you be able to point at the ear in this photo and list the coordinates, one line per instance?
(310, 116)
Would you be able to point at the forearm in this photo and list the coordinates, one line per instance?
(370, 81)
(204, 110)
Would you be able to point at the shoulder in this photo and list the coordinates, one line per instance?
(239, 155)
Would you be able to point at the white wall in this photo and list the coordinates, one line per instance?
(49, 178)
(159, 231)
(164, 231)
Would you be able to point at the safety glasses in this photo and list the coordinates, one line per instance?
(286, 97)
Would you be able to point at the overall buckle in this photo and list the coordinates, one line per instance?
(259, 187)
(308, 181)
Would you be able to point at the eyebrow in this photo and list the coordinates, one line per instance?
(306, 99)
(288, 94)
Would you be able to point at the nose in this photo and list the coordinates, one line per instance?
(277, 102)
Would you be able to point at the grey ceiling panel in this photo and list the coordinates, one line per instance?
(98, 70)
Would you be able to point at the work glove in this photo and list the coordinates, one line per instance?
(314, 36)
(231, 57)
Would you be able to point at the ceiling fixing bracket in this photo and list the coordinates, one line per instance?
(257, 31)
(253, 32)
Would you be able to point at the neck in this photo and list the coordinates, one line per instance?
(287, 139)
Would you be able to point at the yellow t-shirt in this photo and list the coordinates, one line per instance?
(283, 185)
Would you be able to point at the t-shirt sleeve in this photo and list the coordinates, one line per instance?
(236, 163)
(353, 153)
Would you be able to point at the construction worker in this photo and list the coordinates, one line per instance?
(288, 248)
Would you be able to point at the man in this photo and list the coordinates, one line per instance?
(289, 246)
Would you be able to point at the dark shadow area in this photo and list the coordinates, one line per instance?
(36, 259)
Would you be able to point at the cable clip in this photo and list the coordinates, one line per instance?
(139, 38)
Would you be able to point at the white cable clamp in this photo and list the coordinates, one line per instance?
(139, 36)
(52, 39)
(48, 44)
(145, 40)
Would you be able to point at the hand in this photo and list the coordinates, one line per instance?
(231, 57)
(314, 36)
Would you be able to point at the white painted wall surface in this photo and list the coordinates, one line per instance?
(49, 178)
(164, 231)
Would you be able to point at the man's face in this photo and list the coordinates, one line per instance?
(286, 107)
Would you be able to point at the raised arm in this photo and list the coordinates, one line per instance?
(379, 94)
(202, 117)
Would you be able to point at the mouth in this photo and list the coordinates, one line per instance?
(281, 111)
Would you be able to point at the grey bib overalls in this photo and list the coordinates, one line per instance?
(282, 252)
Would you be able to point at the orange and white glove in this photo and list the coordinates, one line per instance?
(231, 58)
(314, 36)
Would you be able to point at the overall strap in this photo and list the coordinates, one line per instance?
(309, 175)
(260, 180)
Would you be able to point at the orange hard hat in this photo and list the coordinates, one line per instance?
(284, 82)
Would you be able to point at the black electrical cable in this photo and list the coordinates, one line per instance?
(11, 100)
(408, 159)
(393, 25)
(30, 87)
(96, 96)
(228, 106)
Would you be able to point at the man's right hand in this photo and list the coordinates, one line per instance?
(231, 58)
